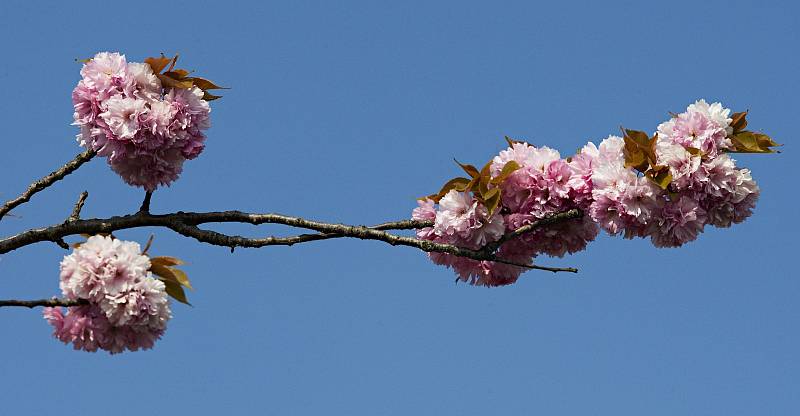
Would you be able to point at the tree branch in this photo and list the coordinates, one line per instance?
(186, 224)
(52, 302)
(548, 220)
(146, 202)
(46, 181)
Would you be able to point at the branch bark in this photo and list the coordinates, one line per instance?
(46, 181)
(186, 224)
(52, 302)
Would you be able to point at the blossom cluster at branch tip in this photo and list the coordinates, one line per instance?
(128, 307)
(666, 188)
(145, 123)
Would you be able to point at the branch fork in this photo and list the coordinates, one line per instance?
(187, 224)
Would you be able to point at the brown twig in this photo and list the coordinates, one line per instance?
(46, 181)
(186, 224)
(52, 302)
(544, 222)
(76, 210)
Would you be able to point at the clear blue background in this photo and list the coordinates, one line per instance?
(347, 111)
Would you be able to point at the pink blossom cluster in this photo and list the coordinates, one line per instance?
(706, 188)
(128, 308)
(706, 185)
(146, 131)
(544, 184)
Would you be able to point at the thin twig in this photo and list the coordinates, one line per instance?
(76, 210)
(52, 302)
(544, 222)
(46, 181)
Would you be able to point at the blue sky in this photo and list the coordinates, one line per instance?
(347, 111)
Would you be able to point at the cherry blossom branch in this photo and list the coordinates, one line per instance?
(186, 224)
(46, 181)
(331, 231)
(52, 302)
(544, 222)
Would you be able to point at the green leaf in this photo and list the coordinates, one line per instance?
(509, 168)
(492, 200)
(183, 279)
(459, 184)
(485, 178)
(170, 273)
(750, 142)
(660, 175)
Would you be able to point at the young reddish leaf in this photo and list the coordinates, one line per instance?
(166, 261)
(509, 168)
(178, 74)
(471, 170)
(511, 142)
(174, 61)
(173, 83)
(639, 149)
(660, 175)
(205, 84)
(83, 61)
(175, 290)
(149, 243)
(157, 64)
(210, 97)
(739, 121)
(635, 158)
(459, 184)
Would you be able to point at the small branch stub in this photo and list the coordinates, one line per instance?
(76, 210)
